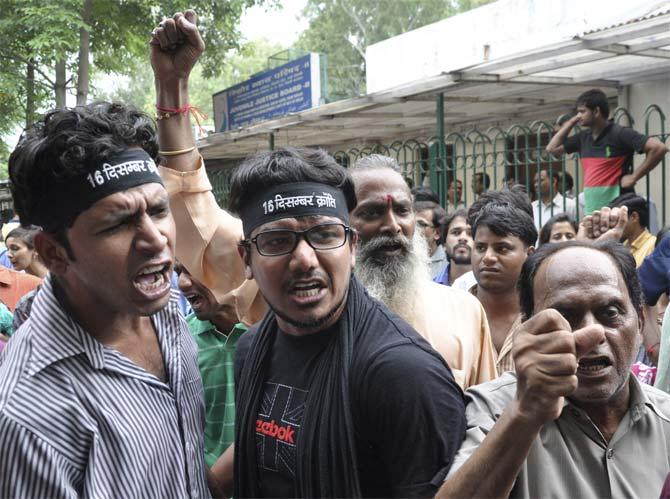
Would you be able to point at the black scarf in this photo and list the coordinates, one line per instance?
(326, 453)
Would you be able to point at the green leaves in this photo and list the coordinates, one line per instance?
(343, 29)
(47, 32)
(239, 65)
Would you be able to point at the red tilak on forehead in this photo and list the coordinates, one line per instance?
(389, 199)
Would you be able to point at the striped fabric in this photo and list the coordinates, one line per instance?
(79, 419)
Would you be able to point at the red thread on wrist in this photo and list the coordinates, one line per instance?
(174, 110)
(170, 111)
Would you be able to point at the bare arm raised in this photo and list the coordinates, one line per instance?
(555, 146)
(176, 46)
(207, 235)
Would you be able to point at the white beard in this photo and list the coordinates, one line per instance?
(398, 281)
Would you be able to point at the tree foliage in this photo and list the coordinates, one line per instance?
(343, 29)
(37, 37)
(240, 65)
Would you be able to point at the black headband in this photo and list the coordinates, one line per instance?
(128, 169)
(293, 200)
(69, 196)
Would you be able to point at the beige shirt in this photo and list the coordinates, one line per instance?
(207, 238)
(503, 359)
(454, 323)
(570, 458)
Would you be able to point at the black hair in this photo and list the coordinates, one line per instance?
(662, 234)
(506, 181)
(569, 182)
(286, 166)
(25, 234)
(425, 194)
(445, 222)
(437, 211)
(68, 144)
(616, 251)
(486, 180)
(506, 220)
(515, 196)
(635, 204)
(595, 98)
(545, 231)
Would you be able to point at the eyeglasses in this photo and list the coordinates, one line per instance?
(277, 242)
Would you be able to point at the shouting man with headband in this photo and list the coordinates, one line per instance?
(100, 394)
(336, 395)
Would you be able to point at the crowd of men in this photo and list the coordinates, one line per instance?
(345, 335)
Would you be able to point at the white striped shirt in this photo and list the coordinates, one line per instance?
(80, 419)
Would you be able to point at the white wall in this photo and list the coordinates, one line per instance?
(506, 27)
(640, 96)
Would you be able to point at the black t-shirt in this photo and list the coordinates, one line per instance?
(613, 149)
(408, 412)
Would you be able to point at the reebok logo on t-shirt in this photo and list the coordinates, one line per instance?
(278, 426)
(271, 429)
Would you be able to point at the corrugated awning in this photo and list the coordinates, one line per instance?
(535, 84)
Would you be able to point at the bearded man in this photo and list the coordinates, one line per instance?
(392, 264)
(457, 236)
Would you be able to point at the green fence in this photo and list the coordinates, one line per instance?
(220, 180)
(516, 153)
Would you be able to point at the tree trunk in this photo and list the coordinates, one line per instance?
(84, 49)
(30, 93)
(60, 85)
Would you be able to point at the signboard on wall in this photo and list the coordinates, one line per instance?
(289, 88)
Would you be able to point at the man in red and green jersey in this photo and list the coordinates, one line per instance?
(606, 150)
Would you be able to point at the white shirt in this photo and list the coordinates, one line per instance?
(465, 282)
(546, 211)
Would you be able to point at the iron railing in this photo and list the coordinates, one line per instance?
(517, 152)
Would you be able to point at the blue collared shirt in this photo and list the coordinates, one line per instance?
(443, 277)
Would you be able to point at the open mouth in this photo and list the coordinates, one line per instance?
(196, 300)
(153, 279)
(593, 365)
(307, 290)
(392, 248)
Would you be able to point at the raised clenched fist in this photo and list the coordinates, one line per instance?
(176, 45)
(546, 353)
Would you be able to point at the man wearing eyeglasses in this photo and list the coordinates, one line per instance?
(336, 396)
(428, 217)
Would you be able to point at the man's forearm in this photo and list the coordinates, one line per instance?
(492, 469)
(175, 133)
(652, 159)
(221, 473)
(557, 140)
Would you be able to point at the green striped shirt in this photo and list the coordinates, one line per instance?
(216, 355)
